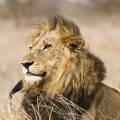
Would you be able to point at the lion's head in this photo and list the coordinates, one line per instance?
(57, 59)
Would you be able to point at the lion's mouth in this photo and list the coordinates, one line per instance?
(43, 74)
(33, 78)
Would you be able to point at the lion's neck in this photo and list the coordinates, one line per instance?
(74, 74)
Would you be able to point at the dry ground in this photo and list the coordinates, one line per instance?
(102, 35)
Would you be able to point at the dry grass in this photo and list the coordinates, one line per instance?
(102, 36)
(64, 108)
(16, 113)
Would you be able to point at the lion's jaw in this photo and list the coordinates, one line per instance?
(31, 78)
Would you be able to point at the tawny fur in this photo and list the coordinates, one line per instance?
(71, 71)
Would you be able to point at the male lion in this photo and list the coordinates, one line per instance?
(62, 79)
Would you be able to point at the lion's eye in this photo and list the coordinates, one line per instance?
(73, 45)
(47, 46)
(30, 48)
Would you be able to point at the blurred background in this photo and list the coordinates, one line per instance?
(98, 20)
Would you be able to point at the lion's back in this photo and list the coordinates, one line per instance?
(107, 103)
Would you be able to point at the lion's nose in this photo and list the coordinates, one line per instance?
(27, 64)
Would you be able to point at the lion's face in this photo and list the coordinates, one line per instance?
(45, 55)
(54, 55)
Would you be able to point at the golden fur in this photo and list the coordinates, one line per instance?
(56, 49)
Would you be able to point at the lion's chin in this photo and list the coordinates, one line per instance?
(31, 79)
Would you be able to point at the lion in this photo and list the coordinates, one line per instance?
(63, 79)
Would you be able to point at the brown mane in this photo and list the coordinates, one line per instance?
(82, 71)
